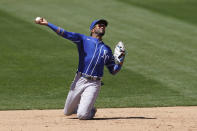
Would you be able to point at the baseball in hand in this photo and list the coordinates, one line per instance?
(37, 20)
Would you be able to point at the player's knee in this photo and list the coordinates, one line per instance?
(82, 116)
(67, 113)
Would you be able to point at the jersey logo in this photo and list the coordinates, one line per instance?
(105, 56)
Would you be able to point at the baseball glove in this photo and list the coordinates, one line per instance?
(119, 53)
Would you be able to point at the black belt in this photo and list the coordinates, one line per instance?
(94, 78)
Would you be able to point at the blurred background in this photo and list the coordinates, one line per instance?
(37, 66)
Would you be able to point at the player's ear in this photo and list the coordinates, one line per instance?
(93, 30)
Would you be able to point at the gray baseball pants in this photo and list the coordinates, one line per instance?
(81, 97)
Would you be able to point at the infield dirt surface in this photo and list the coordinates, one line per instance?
(113, 119)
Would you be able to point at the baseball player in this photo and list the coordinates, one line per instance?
(93, 55)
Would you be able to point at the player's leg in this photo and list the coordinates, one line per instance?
(74, 96)
(86, 108)
(72, 102)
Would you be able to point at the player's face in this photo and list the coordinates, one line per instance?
(99, 29)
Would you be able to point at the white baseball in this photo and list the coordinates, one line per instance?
(37, 20)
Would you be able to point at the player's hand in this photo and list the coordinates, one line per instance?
(41, 21)
(121, 58)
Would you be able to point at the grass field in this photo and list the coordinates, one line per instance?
(37, 66)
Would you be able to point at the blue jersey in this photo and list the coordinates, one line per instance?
(93, 53)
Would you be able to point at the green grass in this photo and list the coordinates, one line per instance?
(37, 66)
(182, 9)
(32, 66)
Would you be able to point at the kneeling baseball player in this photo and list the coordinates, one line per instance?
(93, 55)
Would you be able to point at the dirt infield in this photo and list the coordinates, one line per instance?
(116, 119)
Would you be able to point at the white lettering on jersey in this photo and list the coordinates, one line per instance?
(105, 56)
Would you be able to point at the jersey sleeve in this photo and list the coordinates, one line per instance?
(75, 37)
(111, 65)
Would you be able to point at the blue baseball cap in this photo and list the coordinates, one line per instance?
(100, 21)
